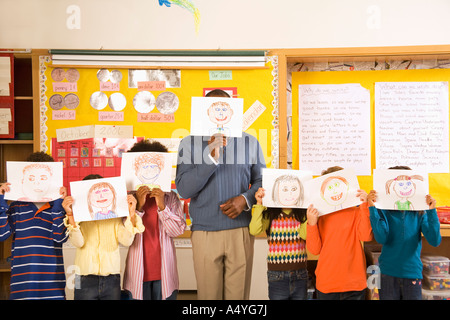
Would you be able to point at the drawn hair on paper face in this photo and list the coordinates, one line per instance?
(148, 166)
(36, 180)
(404, 187)
(220, 113)
(334, 191)
(287, 191)
(102, 196)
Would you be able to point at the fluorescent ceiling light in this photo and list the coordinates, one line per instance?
(215, 59)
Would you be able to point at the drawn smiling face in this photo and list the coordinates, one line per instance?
(148, 172)
(404, 189)
(220, 113)
(289, 192)
(335, 192)
(101, 197)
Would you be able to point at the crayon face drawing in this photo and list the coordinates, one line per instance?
(36, 181)
(39, 181)
(334, 191)
(101, 199)
(287, 191)
(211, 115)
(153, 169)
(400, 189)
(405, 188)
(220, 113)
(284, 188)
(148, 167)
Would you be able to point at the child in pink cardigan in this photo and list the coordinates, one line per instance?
(151, 266)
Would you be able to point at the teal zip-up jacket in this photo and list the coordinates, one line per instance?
(400, 233)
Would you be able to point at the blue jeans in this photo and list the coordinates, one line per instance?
(392, 288)
(92, 287)
(288, 285)
(151, 290)
(346, 295)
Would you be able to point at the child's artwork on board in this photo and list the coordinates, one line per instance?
(334, 191)
(153, 169)
(284, 188)
(212, 115)
(400, 189)
(34, 181)
(99, 199)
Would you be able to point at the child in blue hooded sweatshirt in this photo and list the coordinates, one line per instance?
(400, 233)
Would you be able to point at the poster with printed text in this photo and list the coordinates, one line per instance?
(99, 199)
(34, 181)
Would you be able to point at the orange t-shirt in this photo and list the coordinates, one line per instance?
(336, 238)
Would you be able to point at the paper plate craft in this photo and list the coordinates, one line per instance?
(334, 191)
(284, 188)
(215, 115)
(153, 169)
(400, 189)
(34, 181)
(99, 199)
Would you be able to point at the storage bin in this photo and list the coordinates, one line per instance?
(435, 294)
(436, 282)
(435, 265)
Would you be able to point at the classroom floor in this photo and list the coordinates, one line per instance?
(187, 295)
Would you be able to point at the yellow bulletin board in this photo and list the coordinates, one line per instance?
(250, 84)
(439, 183)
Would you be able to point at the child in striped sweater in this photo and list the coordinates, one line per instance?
(38, 231)
(286, 260)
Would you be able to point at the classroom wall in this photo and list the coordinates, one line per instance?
(222, 24)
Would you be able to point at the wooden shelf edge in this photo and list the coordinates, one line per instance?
(16, 141)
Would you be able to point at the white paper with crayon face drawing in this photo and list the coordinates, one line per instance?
(215, 115)
(284, 188)
(400, 189)
(99, 199)
(34, 181)
(334, 191)
(153, 169)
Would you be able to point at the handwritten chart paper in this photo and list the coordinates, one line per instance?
(334, 128)
(411, 125)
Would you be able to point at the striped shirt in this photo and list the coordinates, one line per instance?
(208, 185)
(171, 224)
(37, 267)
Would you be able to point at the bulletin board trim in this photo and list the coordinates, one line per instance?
(45, 61)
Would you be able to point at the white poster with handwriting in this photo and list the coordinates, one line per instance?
(334, 127)
(411, 125)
